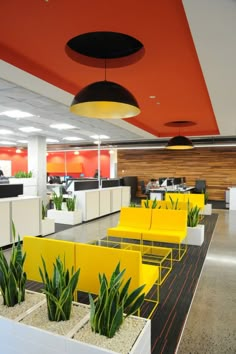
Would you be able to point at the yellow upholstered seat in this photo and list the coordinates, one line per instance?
(49, 249)
(132, 222)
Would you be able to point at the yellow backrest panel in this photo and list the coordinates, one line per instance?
(50, 249)
(163, 204)
(93, 260)
(169, 219)
(135, 217)
(195, 199)
(175, 196)
(184, 205)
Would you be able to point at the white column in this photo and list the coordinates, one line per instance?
(37, 163)
(113, 163)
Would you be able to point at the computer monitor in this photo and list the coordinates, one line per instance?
(177, 180)
(161, 180)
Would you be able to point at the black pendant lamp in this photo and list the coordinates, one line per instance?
(179, 142)
(105, 99)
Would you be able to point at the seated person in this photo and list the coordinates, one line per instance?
(151, 184)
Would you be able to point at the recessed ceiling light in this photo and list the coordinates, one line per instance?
(16, 114)
(76, 153)
(7, 143)
(152, 96)
(158, 102)
(49, 140)
(5, 131)
(22, 141)
(18, 151)
(72, 138)
(29, 129)
(99, 137)
(62, 126)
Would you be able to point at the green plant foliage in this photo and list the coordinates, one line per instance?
(193, 216)
(23, 174)
(70, 203)
(57, 200)
(154, 204)
(206, 197)
(59, 290)
(113, 303)
(174, 204)
(146, 203)
(44, 211)
(132, 205)
(12, 276)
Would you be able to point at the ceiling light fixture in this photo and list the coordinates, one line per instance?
(29, 129)
(179, 142)
(18, 151)
(72, 138)
(16, 114)
(62, 126)
(5, 131)
(104, 99)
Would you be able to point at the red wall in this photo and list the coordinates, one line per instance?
(86, 162)
(19, 161)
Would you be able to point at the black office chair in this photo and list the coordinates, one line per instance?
(143, 187)
(200, 186)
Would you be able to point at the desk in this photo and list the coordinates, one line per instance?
(162, 256)
(159, 193)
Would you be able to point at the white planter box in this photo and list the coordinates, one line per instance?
(47, 226)
(65, 216)
(19, 338)
(207, 210)
(195, 235)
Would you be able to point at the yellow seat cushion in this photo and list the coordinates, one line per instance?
(50, 249)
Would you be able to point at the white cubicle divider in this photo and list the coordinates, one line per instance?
(5, 222)
(25, 212)
(29, 185)
(104, 201)
(95, 203)
(232, 198)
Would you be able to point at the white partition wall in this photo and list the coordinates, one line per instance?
(5, 223)
(88, 202)
(25, 212)
(125, 196)
(115, 199)
(104, 201)
(26, 215)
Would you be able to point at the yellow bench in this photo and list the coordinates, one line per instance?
(168, 226)
(49, 249)
(132, 222)
(193, 199)
(91, 260)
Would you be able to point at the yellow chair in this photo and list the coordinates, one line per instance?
(133, 221)
(49, 249)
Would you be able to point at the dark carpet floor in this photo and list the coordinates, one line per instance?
(176, 294)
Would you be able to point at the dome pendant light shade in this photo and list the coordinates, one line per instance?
(106, 100)
(179, 143)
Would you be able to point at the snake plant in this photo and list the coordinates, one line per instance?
(12, 275)
(193, 216)
(174, 204)
(59, 290)
(113, 303)
(70, 203)
(57, 200)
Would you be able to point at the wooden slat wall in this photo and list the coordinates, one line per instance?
(215, 165)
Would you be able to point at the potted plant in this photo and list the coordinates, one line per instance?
(47, 224)
(195, 231)
(207, 210)
(60, 335)
(70, 215)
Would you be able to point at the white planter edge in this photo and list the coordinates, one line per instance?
(195, 235)
(65, 216)
(19, 338)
